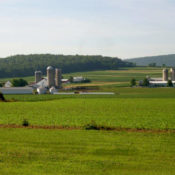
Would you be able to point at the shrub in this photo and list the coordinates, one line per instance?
(25, 123)
(2, 97)
(91, 126)
(169, 83)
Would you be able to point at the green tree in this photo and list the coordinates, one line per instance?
(71, 79)
(145, 82)
(152, 65)
(133, 82)
(169, 83)
(19, 82)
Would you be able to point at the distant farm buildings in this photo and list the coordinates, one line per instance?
(51, 83)
(162, 82)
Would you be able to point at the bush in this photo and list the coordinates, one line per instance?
(25, 123)
(2, 97)
(91, 126)
(169, 83)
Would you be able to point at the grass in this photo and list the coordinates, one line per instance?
(26, 152)
(153, 113)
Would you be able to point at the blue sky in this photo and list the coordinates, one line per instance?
(122, 28)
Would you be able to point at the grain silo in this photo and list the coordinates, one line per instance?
(172, 73)
(38, 76)
(165, 75)
(51, 76)
(58, 76)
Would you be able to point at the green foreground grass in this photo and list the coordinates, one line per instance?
(36, 152)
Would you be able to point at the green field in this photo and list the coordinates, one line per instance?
(50, 152)
(154, 113)
(142, 141)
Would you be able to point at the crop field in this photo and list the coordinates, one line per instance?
(109, 77)
(150, 113)
(129, 133)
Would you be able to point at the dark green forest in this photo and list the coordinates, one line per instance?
(26, 65)
(162, 60)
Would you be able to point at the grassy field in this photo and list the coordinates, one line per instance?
(142, 144)
(50, 152)
(153, 113)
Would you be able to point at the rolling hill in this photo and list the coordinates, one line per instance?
(168, 60)
(26, 65)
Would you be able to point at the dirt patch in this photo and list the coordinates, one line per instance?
(81, 128)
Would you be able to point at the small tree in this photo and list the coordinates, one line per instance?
(19, 82)
(133, 82)
(145, 82)
(71, 79)
(169, 83)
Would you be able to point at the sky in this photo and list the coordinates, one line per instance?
(118, 28)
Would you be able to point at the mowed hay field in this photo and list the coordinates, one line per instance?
(142, 141)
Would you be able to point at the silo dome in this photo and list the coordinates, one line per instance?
(49, 68)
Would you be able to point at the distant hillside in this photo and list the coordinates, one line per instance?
(26, 65)
(168, 60)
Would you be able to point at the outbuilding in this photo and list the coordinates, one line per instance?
(17, 90)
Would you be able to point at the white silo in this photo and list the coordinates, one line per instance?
(172, 73)
(51, 76)
(165, 75)
(38, 76)
(58, 76)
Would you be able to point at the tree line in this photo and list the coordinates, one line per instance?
(26, 65)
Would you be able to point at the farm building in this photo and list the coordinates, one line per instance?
(162, 82)
(17, 90)
(8, 84)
